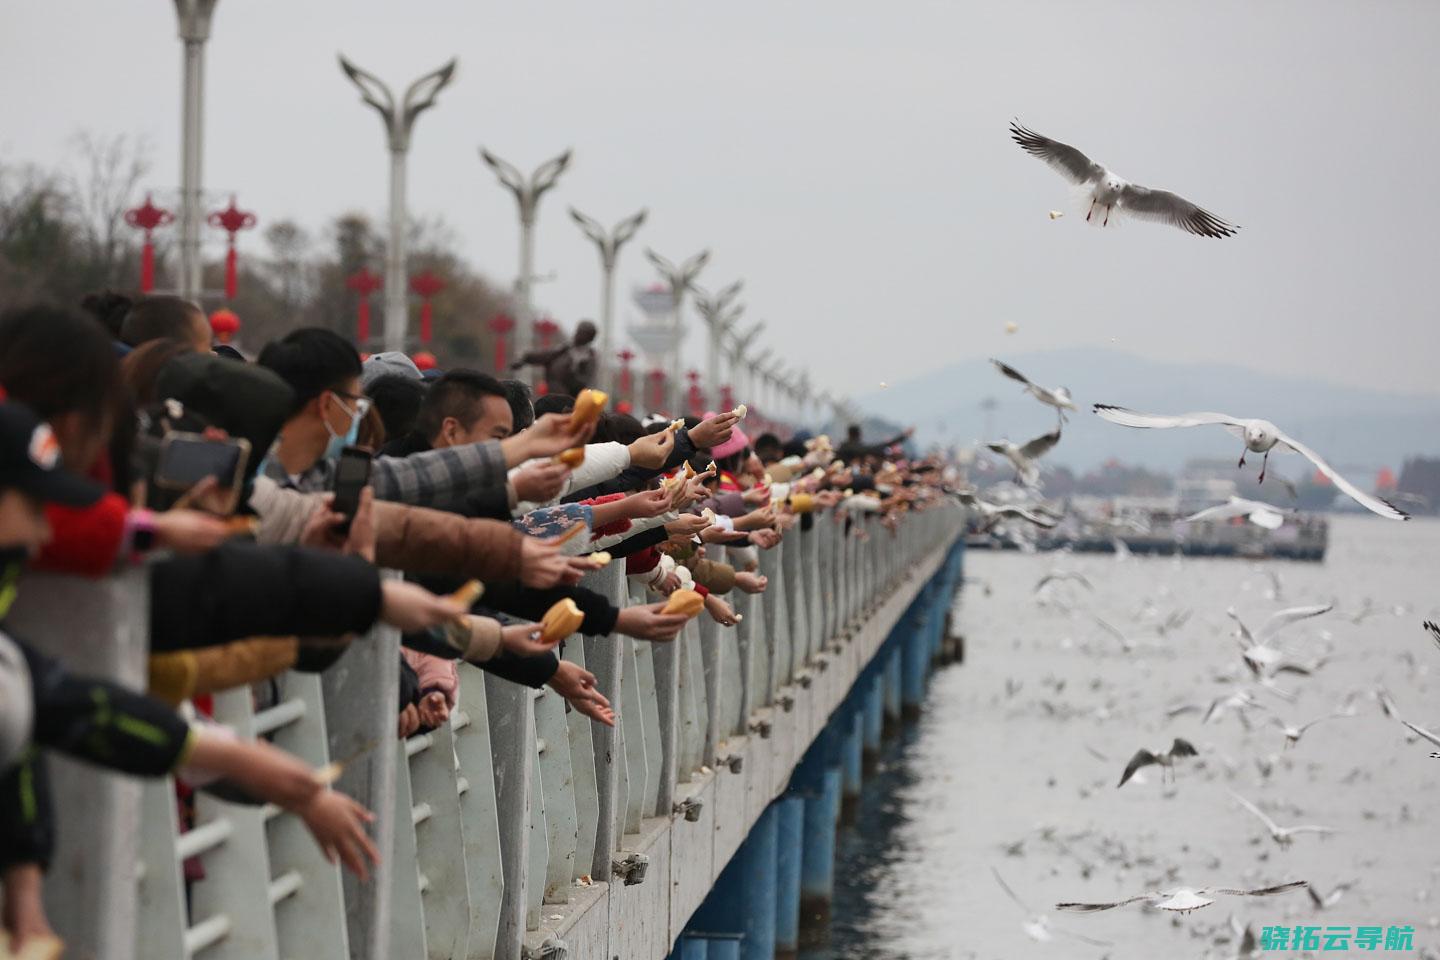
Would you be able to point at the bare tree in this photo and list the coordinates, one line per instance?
(106, 185)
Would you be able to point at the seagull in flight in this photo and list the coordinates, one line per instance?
(1023, 456)
(1037, 926)
(1294, 733)
(1284, 836)
(1183, 899)
(1260, 436)
(1055, 576)
(1059, 397)
(1259, 655)
(1165, 759)
(1433, 631)
(1105, 188)
(992, 513)
(1388, 705)
(1260, 514)
(1331, 898)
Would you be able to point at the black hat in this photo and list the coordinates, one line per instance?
(30, 461)
(243, 399)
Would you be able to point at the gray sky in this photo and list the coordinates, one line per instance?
(848, 159)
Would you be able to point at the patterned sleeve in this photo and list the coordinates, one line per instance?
(443, 479)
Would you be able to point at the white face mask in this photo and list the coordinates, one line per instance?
(16, 709)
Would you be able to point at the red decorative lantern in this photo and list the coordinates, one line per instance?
(657, 390)
(500, 325)
(225, 324)
(697, 402)
(425, 285)
(148, 218)
(364, 283)
(545, 330)
(625, 381)
(232, 220)
(727, 397)
(424, 360)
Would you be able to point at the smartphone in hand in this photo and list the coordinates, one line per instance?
(351, 476)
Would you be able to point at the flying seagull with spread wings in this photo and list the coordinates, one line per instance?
(1059, 397)
(1165, 759)
(1260, 514)
(1260, 436)
(1023, 456)
(1284, 836)
(1433, 631)
(1182, 899)
(1037, 925)
(1112, 192)
(992, 513)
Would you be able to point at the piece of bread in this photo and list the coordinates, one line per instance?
(588, 406)
(572, 458)
(686, 602)
(468, 594)
(561, 620)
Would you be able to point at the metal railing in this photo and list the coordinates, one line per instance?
(520, 828)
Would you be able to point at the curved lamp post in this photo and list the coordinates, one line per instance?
(739, 349)
(678, 277)
(713, 310)
(399, 120)
(609, 245)
(528, 192)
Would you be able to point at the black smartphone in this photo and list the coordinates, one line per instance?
(187, 458)
(351, 476)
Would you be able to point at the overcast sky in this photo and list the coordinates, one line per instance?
(847, 158)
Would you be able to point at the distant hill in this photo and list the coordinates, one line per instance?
(1363, 430)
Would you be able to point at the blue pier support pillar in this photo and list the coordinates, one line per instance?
(817, 781)
(852, 752)
(915, 654)
(789, 852)
(692, 948)
(892, 686)
(758, 893)
(873, 711)
(724, 948)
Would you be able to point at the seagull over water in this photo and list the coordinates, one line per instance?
(1284, 836)
(1183, 899)
(1108, 190)
(1059, 397)
(1023, 456)
(1165, 759)
(1433, 631)
(1037, 926)
(1260, 514)
(1260, 436)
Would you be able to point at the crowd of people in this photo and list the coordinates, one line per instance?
(265, 497)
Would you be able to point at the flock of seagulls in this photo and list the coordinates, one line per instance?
(1264, 653)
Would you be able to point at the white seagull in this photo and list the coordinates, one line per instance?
(1037, 925)
(1023, 456)
(1284, 836)
(1165, 759)
(1260, 436)
(1059, 398)
(1260, 514)
(992, 513)
(1104, 188)
(1433, 631)
(1294, 733)
(1183, 899)
(1388, 705)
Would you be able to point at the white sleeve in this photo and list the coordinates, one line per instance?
(602, 462)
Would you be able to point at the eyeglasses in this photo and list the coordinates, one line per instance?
(362, 404)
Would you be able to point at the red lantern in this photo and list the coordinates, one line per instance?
(545, 330)
(225, 324)
(147, 218)
(625, 383)
(232, 220)
(364, 283)
(657, 390)
(424, 360)
(727, 398)
(426, 285)
(500, 325)
(697, 402)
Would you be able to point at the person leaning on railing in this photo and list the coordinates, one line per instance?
(103, 723)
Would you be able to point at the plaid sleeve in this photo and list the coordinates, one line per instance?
(442, 479)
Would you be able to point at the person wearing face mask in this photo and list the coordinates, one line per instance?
(324, 370)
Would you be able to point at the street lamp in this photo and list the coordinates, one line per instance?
(527, 197)
(738, 348)
(399, 120)
(712, 310)
(609, 246)
(678, 278)
(194, 17)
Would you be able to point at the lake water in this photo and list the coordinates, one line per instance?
(999, 772)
